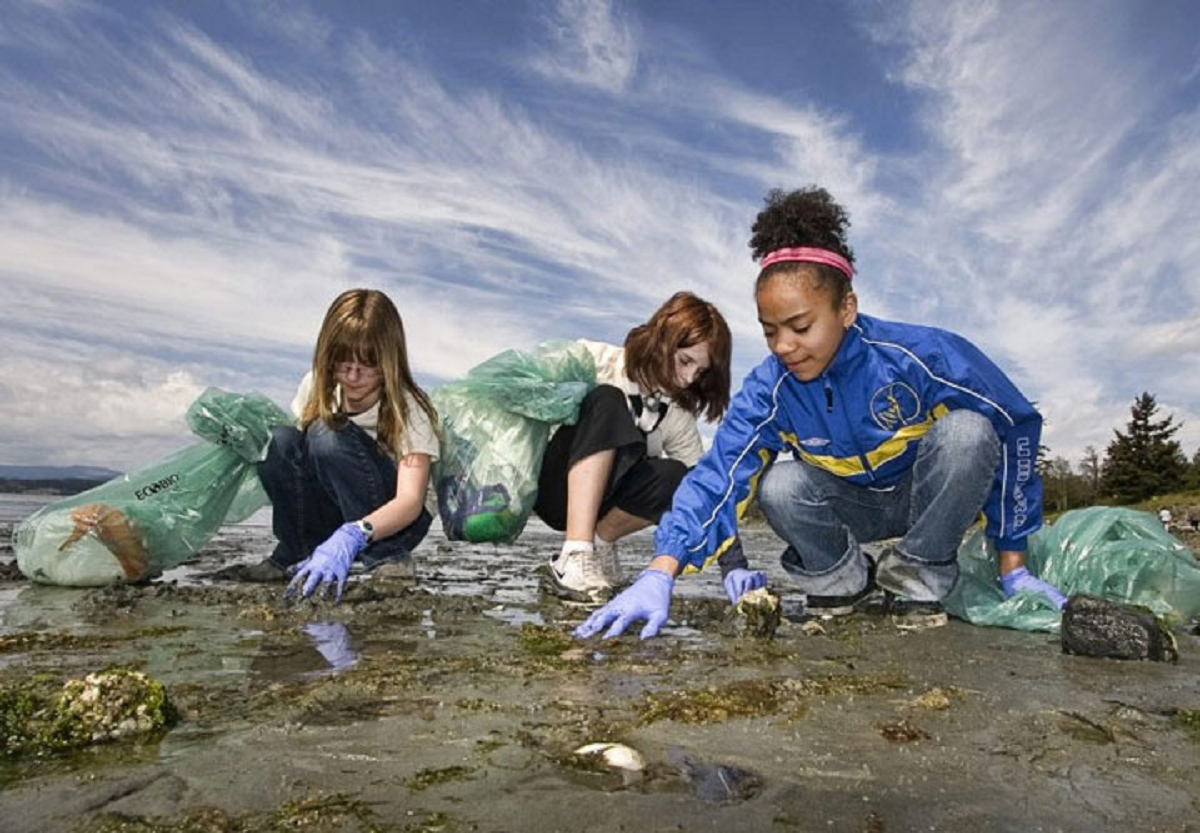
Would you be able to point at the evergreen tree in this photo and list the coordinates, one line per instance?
(1090, 469)
(1145, 460)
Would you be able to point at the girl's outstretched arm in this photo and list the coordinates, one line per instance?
(412, 479)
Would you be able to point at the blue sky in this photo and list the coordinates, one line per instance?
(185, 186)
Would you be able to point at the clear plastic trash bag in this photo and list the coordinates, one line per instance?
(139, 524)
(1120, 554)
(495, 425)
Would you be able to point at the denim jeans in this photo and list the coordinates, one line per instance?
(320, 478)
(823, 518)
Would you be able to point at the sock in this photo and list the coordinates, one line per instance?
(575, 546)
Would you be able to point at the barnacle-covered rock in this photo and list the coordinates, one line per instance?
(759, 613)
(1096, 627)
(104, 706)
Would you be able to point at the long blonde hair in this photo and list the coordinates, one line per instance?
(363, 325)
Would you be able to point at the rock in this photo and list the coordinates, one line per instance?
(1096, 627)
(759, 613)
(716, 783)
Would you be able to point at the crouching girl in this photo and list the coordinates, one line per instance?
(349, 480)
(897, 430)
(616, 469)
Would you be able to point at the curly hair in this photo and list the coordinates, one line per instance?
(804, 217)
(683, 321)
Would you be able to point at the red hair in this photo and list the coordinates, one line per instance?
(683, 321)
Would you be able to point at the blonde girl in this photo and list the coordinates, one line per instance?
(349, 480)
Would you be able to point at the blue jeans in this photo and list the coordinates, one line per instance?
(320, 478)
(823, 518)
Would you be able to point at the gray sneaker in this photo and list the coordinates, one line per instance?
(263, 572)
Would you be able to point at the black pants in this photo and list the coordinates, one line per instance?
(637, 484)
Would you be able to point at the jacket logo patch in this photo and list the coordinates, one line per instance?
(816, 442)
(895, 405)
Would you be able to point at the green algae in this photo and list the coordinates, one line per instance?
(756, 698)
(1189, 721)
(434, 776)
(544, 641)
(316, 812)
(29, 641)
(716, 704)
(109, 705)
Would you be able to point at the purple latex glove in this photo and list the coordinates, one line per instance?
(330, 562)
(332, 641)
(739, 582)
(1020, 579)
(648, 598)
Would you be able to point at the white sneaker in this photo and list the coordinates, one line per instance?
(610, 565)
(576, 574)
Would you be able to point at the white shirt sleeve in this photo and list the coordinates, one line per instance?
(419, 436)
(303, 392)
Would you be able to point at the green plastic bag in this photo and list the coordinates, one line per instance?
(139, 524)
(495, 425)
(1120, 554)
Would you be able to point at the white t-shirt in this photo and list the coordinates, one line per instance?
(419, 436)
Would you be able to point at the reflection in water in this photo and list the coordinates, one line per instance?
(332, 641)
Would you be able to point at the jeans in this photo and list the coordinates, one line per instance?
(823, 518)
(320, 478)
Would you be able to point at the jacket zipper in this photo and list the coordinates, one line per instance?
(862, 458)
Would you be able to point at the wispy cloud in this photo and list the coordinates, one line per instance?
(196, 201)
(593, 43)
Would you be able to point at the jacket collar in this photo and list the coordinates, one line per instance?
(850, 353)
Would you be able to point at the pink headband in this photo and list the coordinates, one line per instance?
(806, 254)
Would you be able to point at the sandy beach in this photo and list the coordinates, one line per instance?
(456, 704)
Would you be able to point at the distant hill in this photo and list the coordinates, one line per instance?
(56, 473)
(53, 480)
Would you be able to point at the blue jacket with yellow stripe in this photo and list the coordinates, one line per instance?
(861, 420)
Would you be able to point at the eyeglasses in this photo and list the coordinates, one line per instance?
(365, 371)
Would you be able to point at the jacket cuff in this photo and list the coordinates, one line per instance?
(1016, 544)
(675, 549)
(732, 559)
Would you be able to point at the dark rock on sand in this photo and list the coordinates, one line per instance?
(1096, 627)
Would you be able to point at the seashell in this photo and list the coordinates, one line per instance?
(615, 755)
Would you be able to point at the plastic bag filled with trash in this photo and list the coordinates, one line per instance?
(141, 523)
(1119, 554)
(495, 425)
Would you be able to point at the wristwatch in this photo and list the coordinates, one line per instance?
(366, 528)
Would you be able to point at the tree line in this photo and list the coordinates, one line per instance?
(1140, 462)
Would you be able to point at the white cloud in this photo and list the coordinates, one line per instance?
(593, 43)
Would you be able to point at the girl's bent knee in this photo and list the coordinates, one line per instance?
(782, 486)
(965, 433)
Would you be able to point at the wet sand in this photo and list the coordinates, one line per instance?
(459, 701)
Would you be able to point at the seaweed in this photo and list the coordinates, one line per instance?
(433, 776)
(317, 811)
(1189, 721)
